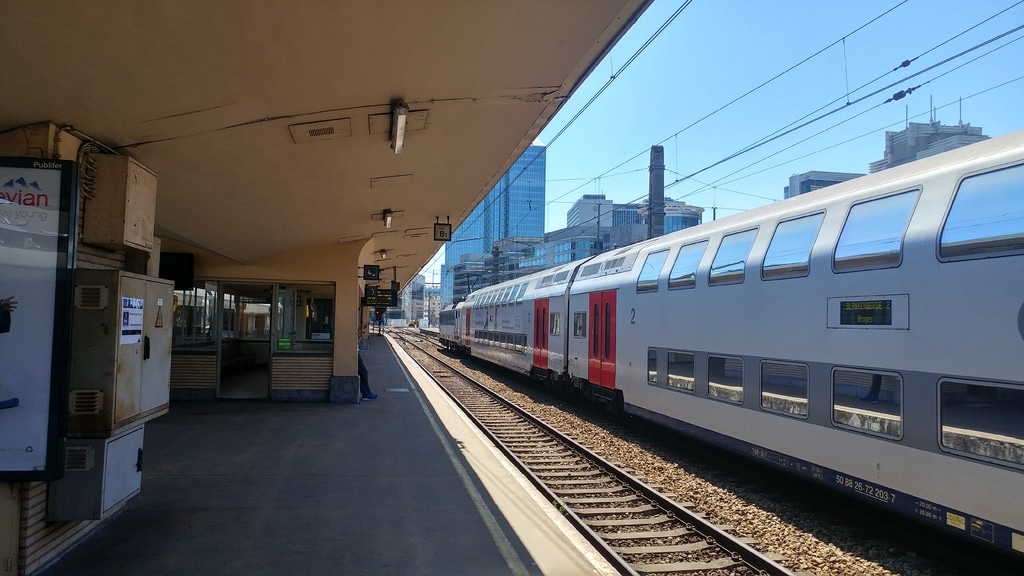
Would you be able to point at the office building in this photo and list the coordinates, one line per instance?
(814, 180)
(513, 207)
(920, 140)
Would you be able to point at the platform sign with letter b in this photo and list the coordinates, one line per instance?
(442, 231)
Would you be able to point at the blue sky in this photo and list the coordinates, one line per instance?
(716, 51)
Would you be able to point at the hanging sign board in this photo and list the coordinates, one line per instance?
(442, 232)
(380, 299)
(38, 206)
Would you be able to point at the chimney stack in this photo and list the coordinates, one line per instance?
(656, 193)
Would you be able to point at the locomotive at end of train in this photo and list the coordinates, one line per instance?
(868, 336)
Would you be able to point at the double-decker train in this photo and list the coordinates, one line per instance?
(868, 336)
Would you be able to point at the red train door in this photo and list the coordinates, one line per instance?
(601, 345)
(540, 333)
(465, 335)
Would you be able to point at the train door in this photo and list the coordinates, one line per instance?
(465, 335)
(540, 333)
(601, 347)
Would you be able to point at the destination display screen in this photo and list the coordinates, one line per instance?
(380, 298)
(865, 313)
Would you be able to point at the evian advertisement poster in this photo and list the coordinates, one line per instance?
(36, 212)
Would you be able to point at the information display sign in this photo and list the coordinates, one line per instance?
(865, 313)
(38, 207)
(380, 298)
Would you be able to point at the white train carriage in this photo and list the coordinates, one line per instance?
(451, 328)
(547, 296)
(869, 336)
(497, 328)
(512, 324)
(595, 316)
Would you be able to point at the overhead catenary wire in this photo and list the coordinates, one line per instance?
(667, 186)
(742, 96)
(897, 96)
(613, 77)
(777, 135)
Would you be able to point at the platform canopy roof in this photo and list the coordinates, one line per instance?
(269, 123)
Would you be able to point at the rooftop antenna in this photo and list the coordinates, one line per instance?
(931, 108)
(961, 121)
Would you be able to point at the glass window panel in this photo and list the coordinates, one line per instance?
(731, 259)
(652, 366)
(784, 388)
(789, 253)
(987, 216)
(556, 324)
(194, 311)
(684, 270)
(983, 420)
(869, 401)
(648, 280)
(725, 378)
(680, 370)
(873, 234)
(580, 325)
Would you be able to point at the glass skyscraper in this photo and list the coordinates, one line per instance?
(514, 207)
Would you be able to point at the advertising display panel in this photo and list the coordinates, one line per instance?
(38, 205)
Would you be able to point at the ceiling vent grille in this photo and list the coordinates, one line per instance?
(316, 131)
(79, 458)
(86, 401)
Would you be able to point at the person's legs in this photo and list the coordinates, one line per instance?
(364, 382)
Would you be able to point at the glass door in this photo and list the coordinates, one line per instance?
(245, 340)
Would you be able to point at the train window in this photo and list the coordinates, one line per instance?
(648, 280)
(522, 290)
(680, 370)
(987, 216)
(731, 258)
(784, 388)
(873, 234)
(984, 421)
(579, 324)
(725, 378)
(652, 366)
(556, 324)
(871, 401)
(684, 270)
(590, 270)
(607, 331)
(789, 253)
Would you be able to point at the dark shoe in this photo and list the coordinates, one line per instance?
(370, 396)
(13, 403)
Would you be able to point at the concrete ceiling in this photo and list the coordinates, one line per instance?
(207, 94)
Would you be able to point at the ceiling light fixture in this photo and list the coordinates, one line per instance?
(399, 116)
(388, 217)
(383, 254)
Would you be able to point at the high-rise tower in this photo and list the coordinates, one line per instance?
(514, 207)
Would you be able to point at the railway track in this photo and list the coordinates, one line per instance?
(636, 527)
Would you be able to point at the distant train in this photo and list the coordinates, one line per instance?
(868, 336)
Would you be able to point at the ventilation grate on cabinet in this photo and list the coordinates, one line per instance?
(91, 297)
(79, 458)
(86, 401)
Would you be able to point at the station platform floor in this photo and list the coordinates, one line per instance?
(400, 485)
